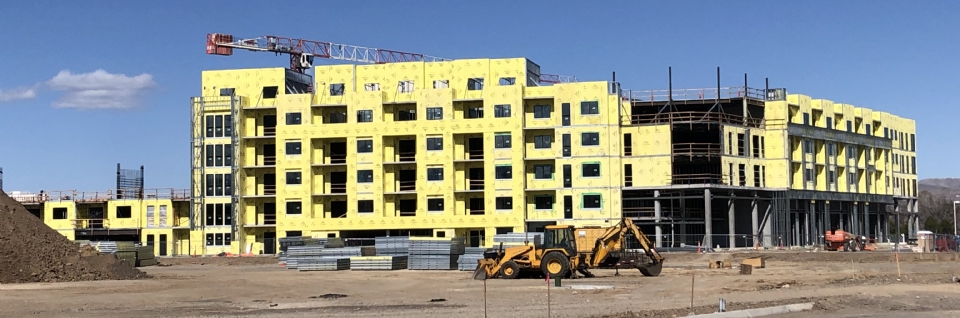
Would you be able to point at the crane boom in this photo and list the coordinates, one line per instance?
(302, 52)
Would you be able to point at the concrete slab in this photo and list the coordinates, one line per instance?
(759, 312)
(587, 287)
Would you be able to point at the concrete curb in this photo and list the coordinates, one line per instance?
(759, 312)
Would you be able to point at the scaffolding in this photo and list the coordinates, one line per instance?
(129, 183)
(227, 103)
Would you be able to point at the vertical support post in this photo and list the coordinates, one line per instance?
(670, 84)
(916, 215)
(731, 221)
(866, 221)
(806, 225)
(707, 219)
(855, 212)
(658, 214)
(817, 231)
(755, 220)
(828, 223)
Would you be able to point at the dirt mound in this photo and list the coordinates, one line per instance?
(30, 251)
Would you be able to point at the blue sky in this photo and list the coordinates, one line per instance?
(885, 55)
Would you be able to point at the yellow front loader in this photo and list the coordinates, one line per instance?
(565, 250)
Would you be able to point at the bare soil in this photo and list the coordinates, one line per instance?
(31, 251)
(840, 284)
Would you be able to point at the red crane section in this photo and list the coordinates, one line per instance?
(302, 52)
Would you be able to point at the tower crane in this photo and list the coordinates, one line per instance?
(303, 52)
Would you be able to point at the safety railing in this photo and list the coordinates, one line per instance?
(269, 161)
(408, 185)
(338, 187)
(697, 150)
(475, 155)
(663, 95)
(475, 184)
(100, 196)
(699, 178)
(669, 118)
(338, 158)
(407, 156)
(270, 189)
(91, 223)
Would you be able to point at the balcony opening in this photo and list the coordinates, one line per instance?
(407, 150)
(476, 179)
(269, 213)
(336, 115)
(338, 209)
(475, 148)
(269, 125)
(407, 207)
(406, 114)
(476, 206)
(269, 154)
(338, 152)
(627, 145)
(269, 184)
(338, 182)
(408, 180)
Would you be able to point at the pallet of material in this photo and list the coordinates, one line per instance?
(392, 245)
(517, 238)
(378, 263)
(296, 255)
(324, 264)
(287, 242)
(468, 262)
(435, 253)
(350, 251)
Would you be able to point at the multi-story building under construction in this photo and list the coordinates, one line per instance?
(476, 147)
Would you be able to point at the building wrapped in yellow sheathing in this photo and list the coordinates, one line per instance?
(475, 147)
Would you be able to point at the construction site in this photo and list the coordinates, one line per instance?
(378, 185)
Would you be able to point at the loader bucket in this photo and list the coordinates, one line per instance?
(483, 266)
(651, 270)
(480, 273)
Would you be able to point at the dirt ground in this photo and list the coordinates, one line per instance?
(863, 284)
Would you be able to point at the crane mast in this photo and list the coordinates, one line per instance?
(303, 52)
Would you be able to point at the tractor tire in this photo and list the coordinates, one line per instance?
(555, 264)
(510, 270)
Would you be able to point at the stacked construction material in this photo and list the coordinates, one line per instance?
(146, 256)
(323, 264)
(392, 245)
(382, 263)
(287, 242)
(106, 247)
(126, 251)
(332, 242)
(347, 252)
(302, 254)
(471, 255)
(435, 253)
(517, 238)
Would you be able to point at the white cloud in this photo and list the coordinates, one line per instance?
(17, 94)
(100, 89)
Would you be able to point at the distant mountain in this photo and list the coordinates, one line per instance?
(949, 187)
